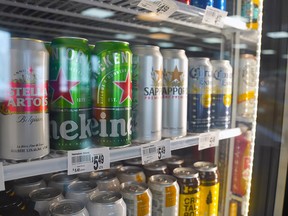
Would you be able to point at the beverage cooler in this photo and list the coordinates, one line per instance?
(128, 107)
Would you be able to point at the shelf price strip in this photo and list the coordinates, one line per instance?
(88, 160)
(155, 151)
(208, 140)
(214, 16)
(2, 183)
(163, 8)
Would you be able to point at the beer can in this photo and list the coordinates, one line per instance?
(138, 198)
(61, 181)
(115, 167)
(134, 162)
(209, 187)
(106, 181)
(175, 83)
(199, 95)
(173, 162)
(42, 198)
(250, 11)
(70, 97)
(247, 86)
(202, 3)
(81, 191)
(184, 1)
(24, 124)
(221, 94)
(220, 4)
(165, 195)
(112, 94)
(24, 186)
(109, 203)
(189, 184)
(131, 173)
(68, 207)
(154, 168)
(147, 93)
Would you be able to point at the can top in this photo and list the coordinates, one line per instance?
(111, 42)
(185, 173)
(151, 47)
(134, 161)
(130, 170)
(82, 187)
(63, 177)
(205, 166)
(34, 180)
(220, 62)
(162, 179)
(107, 198)
(102, 176)
(27, 39)
(27, 44)
(155, 166)
(168, 51)
(133, 187)
(248, 56)
(198, 59)
(174, 160)
(45, 193)
(66, 207)
(75, 41)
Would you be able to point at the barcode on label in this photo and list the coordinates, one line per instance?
(81, 159)
(162, 8)
(149, 150)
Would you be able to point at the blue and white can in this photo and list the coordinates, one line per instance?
(202, 3)
(199, 95)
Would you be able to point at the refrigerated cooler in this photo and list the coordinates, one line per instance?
(211, 33)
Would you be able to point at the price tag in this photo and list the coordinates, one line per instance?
(214, 16)
(87, 160)
(208, 140)
(2, 182)
(155, 151)
(163, 8)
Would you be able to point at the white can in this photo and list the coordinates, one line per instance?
(61, 181)
(23, 187)
(68, 207)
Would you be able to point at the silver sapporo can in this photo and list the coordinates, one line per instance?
(24, 122)
(175, 84)
(147, 93)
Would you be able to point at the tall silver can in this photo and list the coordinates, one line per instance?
(175, 83)
(24, 123)
(221, 94)
(199, 95)
(147, 93)
(109, 203)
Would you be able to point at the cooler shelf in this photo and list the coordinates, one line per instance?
(44, 166)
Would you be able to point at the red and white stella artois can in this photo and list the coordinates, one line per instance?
(24, 120)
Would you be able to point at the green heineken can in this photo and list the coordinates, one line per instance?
(70, 98)
(112, 96)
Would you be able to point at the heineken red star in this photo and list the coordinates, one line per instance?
(24, 120)
(112, 94)
(70, 94)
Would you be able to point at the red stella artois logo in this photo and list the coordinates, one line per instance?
(28, 94)
(62, 88)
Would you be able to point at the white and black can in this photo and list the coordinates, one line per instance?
(68, 207)
(108, 203)
(138, 198)
(42, 198)
(165, 195)
(221, 94)
(24, 123)
(199, 95)
(147, 93)
(175, 83)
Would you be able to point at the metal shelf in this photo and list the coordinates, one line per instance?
(50, 165)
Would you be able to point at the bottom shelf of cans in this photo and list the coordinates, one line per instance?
(57, 161)
(171, 187)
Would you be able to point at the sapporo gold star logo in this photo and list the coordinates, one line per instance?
(176, 74)
(173, 78)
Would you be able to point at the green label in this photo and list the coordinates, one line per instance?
(70, 78)
(70, 129)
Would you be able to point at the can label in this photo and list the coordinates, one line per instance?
(199, 98)
(189, 204)
(70, 129)
(113, 98)
(250, 10)
(209, 198)
(143, 205)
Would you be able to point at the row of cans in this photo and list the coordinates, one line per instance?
(188, 191)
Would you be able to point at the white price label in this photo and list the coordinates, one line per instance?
(214, 16)
(164, 8)
(2, 182)
(208, 140)
(155, 151)
(88, 160)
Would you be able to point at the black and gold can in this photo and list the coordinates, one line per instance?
(209, 188)
(189, 184)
